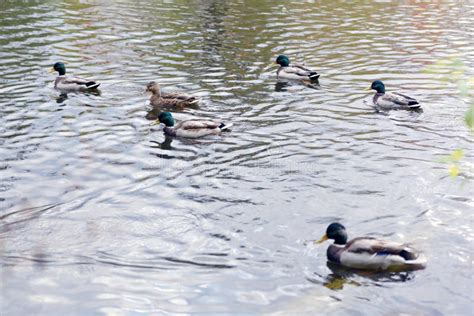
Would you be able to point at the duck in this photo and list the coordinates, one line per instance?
(67, 83)
(171, 99)
(294, 71)
(194, 128)
(369, 253)
(391, 100)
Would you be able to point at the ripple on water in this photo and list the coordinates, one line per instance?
(102, 213)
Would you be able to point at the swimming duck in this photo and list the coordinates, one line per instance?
(370, 253)
(294, 71)
(391, 100)
(66, 83)
(190, 128)
(172, 99)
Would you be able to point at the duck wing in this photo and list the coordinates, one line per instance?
(310, 73)
(176, 97)
(172, 102)
(300, 70)
(199, 128)
(300, 66)
(404, 96)
(181, 97)
(400, 99)
(378, 247)
(76, 82)
(295, 71)
(198, 124)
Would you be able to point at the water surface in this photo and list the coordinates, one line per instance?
(100, 214)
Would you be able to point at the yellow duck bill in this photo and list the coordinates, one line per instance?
(323, 239)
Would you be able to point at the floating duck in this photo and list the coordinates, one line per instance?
(173, 99)
(370, 253)
(190, 128)
(66, 83)
(391, 100)
(294, 71)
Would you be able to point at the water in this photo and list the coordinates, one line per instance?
(100, 214)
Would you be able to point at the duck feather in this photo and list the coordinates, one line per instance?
(169, 99)
(372, 253)
(297, 72)
(395, 100)
(74, 83)
(196, 128)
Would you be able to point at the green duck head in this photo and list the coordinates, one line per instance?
(283, 61)
(337, 232)
(60, 68)
(166, 118)
(378, 86)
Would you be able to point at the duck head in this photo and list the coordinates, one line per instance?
(378, 86)
(59, 67)
(166, 118)
(153, 87)
(283, 61)
(337, 232)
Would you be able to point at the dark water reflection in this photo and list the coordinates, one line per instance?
(342, 276)
(101, 214)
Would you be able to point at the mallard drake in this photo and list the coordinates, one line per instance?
(172, 99)
(391, 100)
(66, 83)
(294, 71)
(190, 128)
(370, 253)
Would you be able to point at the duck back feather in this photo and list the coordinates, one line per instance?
(371, 253)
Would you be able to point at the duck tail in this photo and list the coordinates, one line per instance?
(413, 105)
(92, 85)
(408, 254)
(314, 75)
(195, 100)
(225, 127)
(418, 263)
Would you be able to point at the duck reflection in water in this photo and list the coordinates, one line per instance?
(165, 145)
(154, 112)
(341, 276)
(291, 86)
(63, 96)
(152, 115)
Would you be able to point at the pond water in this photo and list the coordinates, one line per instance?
(100, 214)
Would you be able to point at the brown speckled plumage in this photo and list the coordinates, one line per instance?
(169, 100)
